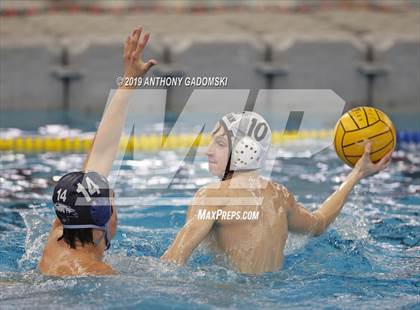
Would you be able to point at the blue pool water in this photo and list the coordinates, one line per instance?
(369, 257)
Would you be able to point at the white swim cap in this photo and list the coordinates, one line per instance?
(249, 137)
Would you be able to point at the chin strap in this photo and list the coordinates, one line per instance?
(107, 239)
(106, 236)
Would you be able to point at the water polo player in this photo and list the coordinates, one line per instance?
(86, 214)
(220, 212)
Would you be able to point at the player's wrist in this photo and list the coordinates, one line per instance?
(356, 174)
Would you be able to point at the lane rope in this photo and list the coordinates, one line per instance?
(151, 142)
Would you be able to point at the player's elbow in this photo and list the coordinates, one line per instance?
(320, 224)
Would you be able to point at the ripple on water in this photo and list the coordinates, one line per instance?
(368, 258)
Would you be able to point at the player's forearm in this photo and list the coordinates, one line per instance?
(178, 252)
(331, 207)
(187, 240)
(106, 143)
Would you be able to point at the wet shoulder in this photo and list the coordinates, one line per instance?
(213, 194)
(231, 188)
(281, 193)
(213, 189)
(64, 269)
(99, 268)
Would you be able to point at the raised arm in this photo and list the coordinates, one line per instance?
(106, 141)
(194, 231)
(107, 138)
(301, 220)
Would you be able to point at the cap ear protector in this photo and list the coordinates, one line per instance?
(246, 153)
(249, 138)
(100, 211)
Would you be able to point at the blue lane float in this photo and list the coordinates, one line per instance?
(408, 137)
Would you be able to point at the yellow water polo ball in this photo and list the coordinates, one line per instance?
(358, 125)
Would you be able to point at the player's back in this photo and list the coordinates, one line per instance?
(255, 237)
(59, 259)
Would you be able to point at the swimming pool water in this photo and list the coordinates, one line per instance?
(368, 258)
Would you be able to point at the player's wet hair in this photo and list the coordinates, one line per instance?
(228, 173)
(71, 236)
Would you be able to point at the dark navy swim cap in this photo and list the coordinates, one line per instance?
(82, 200)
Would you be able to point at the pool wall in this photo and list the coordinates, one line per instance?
(384, 74)
(69, 61)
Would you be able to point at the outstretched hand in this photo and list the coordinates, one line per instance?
(134, 66)
(364, 166)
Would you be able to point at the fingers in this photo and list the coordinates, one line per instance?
(137, 33)
(126, 47)
(382, 165)
(387, 157)
(142, 44)
(386, 164)
(135, 38)
(366, 153)
(149, 64)
(368, 147)
(133, 47)
(145, 39)
(385, 161)
(132, 44)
